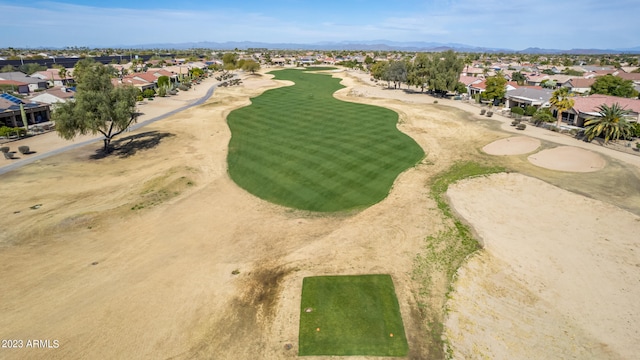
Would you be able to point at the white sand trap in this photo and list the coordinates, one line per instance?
(568, 158)
(512, 146)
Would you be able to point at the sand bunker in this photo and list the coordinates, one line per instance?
(568, 158)
(557, 279)
(512, 146)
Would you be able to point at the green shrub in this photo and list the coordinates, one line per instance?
(148, 93)
(543, 116)
(530, 110)
(163, 81)
(4, 131)
(517, 110)
(9, 131)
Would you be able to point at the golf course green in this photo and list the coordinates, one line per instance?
(300, 147)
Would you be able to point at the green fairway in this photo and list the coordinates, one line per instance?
(298, 146)
(350, 315)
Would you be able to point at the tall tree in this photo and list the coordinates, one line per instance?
(229, 60)
(518, 77)
(495, 88)
(62, 72)
(615, 86)
(99, 107)
(251, 66)
(444, 71)
(419, 71)
(562, 101)
(380, 71)
(398, 72)
(611, 123)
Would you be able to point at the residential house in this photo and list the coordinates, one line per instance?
(468, 80)
(586, 107)
(54, 95)
(629, 69)
(528, 96)
(473, 71)
(34, 83)
(561, 78)
(635, 77)
(52, 76)
(306, 60)
(477, 88)
(536, 79)
(329, 61)
(579, 85)
(278, 61)
(17, 86)
(11, 115)
(595, 68)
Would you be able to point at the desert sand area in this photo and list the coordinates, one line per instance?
(153, 252)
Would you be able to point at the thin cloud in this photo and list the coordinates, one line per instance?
(488, 23)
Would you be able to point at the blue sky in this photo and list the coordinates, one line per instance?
(517, 24)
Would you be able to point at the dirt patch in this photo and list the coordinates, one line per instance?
(241, 332)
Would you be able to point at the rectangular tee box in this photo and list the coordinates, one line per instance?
(351, 315)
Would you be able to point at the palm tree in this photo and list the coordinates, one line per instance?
(63, 74)
(611, 123)
(562, 101)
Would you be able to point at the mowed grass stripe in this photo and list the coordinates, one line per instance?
(339, 181)
(300, 147)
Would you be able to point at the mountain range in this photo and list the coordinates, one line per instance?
(374, 45)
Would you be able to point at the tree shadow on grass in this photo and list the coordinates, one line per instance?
(130, 145)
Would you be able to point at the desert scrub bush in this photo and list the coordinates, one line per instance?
(4, 149)
(521, 126)
(515, 122)
(483, 111)
(489, 113)
(23, 149)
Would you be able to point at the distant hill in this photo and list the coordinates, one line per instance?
(369, 45)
